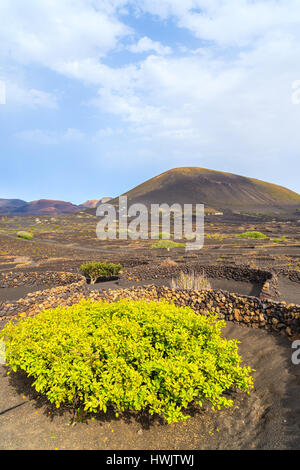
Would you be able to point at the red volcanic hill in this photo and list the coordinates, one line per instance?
(91, 204)
(46, 207)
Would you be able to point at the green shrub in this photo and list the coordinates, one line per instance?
(252, 235)
(132, 355)
(168, 244)
(25, 235)
(164, 235)
(94, 270)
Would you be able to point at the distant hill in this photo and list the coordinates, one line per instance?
(220, 192)
(49, 207)
(46, 206)
(104, 200)
(217, 190)
(9, 205)
(40, 207)
(94, 203)
(91, 204)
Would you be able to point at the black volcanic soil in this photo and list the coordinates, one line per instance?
(237, 287)
(289, 290)
(71, 240)
(266, 419)
(15, 293)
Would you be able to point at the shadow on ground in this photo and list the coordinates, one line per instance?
(268, 418)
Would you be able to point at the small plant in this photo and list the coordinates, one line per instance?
(95, 270)
(132, 355)
(168, 263)
(166, 244)
(280, 240)
(215, 236)
(258, 235)
(25, 235)
(190, 281)
(163, 235)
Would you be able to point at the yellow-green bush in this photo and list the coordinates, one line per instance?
(133, 355)
(94, 270)
(168, 244)
(25, 235)
(258, 235)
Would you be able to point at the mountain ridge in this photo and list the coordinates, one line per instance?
(215, 189)
(45, 206)
(218, 191)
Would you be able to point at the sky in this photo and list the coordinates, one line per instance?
(98, 96)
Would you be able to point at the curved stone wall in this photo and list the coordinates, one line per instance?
(266, 279)
(46, 279)
(67, 286)
(251, 311)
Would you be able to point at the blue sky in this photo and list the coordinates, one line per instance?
(104, 94)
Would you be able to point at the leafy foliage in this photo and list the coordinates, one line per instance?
(280, 240)
(252, 235)
(133, 355)
(95, 270)
(168, 244)
(164, 235)
(25, 235)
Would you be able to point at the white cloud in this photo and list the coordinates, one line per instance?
(230, 96)
(46, 137)
(107, 132)
(72, 135)
(207, 105)
(38, 136)
(67, 36)
(20, 96)
(52, 33)
(231, 22)
(94, 72)
(146, 44)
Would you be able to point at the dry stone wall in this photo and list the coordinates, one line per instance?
(69, 287)
(45, 279)
(250, 311)
(265, 279)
